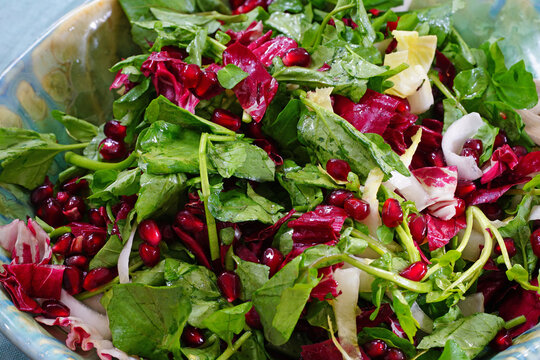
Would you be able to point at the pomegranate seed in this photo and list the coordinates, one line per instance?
(40, 194)
(338, 197)
(167, 233)
(72, 280)
(191, 75)
(436, 158)
(189, 222)
(149, 232)
(115, 130)
(79, 261)
(93, 243)
(227, 119)
(53, 309)
(149, 254)
(418, 228)
(475, 145)
(464, 188)
(394, 354)
(192, 337)
(338, 169)
(510, 247)
(98, 277)
(229, 284)
(63, 244)
(535, 242)
(74, 209)
(356, 208)
(51, 212)
(253, 320)
(460, 207)
(471, 153)
(76, 245)
(62, 197)
(500, 139)
(273, 258)
(254, 131)
(492, 211)
(95, 217)
(297, 57)
(208, 86)
(502, 340)
(111, 149)
(392, 214)
(415, 271)
(375, 348)
(75, 185)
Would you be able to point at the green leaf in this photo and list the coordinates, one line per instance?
(451, 113)
(108, 255)
(209, 351)
(403, 311)
(282, 126)
(371, 333)
(157, 316)
(228, 322)
(292, 6)
(318, 313)
(471, 333)
(126, 183)
(517, 272)
(159, 194)
(385, 234)
(351, 245)
(196, 47)
(471, 84)
(516, 87)
(154, 276)
(303, 197)
(290, 25)
(312, 175)
(452, 351)
(506, 118)
(230, 76)
(76, 128)
(130, 107)
(486, 134)
(252, 276)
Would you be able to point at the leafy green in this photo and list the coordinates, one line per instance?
(125, 183)
(227, 322)
(452, 351)
(252, 276)
(159, 194)
(290, 25)
(154, 276)
(76, 128)
(516, 87)
(108, 255)
(470, 84)
(402, 308)
(210, 350)
(230, 76)
(311, 175)
(157, 316)
(486, 134)
(292, 6)
(303, 197)
(370, 333)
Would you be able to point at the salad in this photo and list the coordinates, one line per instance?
(287, 179)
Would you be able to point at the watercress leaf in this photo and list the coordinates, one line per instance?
(282, 126)
(292, 6)
(351, 245)
(471, 333)
(385, 234)
(252, 349)
(252, 276)
(486, 134)
(382, 5)
(452, 351)
(227, 322)
(159, 194)
(157, 316)
(470, 84)
(371, 333)
(130, 107)
(230, 76)
(506, 118)
(183, 20)
(318, 313)
(76, 128)
(439, 20)
(153, 276)
(311, 175)
(210, 350)
(516, 87)
(126, 183)
(403, 311)
(359, 16)
(451, 113)
(290, 25)
(108, 255)
(303, 197)
(196, 47)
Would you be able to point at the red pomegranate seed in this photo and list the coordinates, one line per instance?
(76, 245)
(502, 340)
(93, 243)
(41, 193)
(338, 169)
(535, 242)
(95, 217)
(500, 139)
(418, 228)
(464, 188)
(273, 258)
(471, 153)
(149, 232)
(75, 185)
(356, 208)
(415, 271)
(63, 244)
(53, 309)
(375, 348)
(111, 149)
(79, 261)
(74, 209)
(436, 158)
(167, 233)
(492, 211)
(208, 83)
(510, 247)
(253, 320)
(149, 254)
(51, 212)
(297, 57)
(62, 197)
(191, 75)
(254, 130)
(98, 277)
(229, 284)
(460, 207)
(189, 222)
(115, 130)
(226, 119)
(475, 145)
(192, 336)
(392, 214)
(72, 280)
(338, 197)
(394, 354)
(520, 151)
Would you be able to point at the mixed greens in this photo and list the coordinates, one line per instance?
(287, 179)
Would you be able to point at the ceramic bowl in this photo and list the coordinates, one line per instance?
(67, 70)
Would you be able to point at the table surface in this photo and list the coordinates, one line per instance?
(22, 22)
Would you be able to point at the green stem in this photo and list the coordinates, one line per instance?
(485, 223)
(515, 322)
(373, 244)
(48, 228)
(205, 189)
(59, 231)
(86, 163)
(408, 242)
(72, 146)
(446, 92)
(326, 20)
(231, 349)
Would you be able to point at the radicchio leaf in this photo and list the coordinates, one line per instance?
(122, 80)
(321, 225)
(250, 34)
(502, 159)
(278, 46)
(439, 232)
(27, 243)
(249, 5)
(325, 350)
(521, 302)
